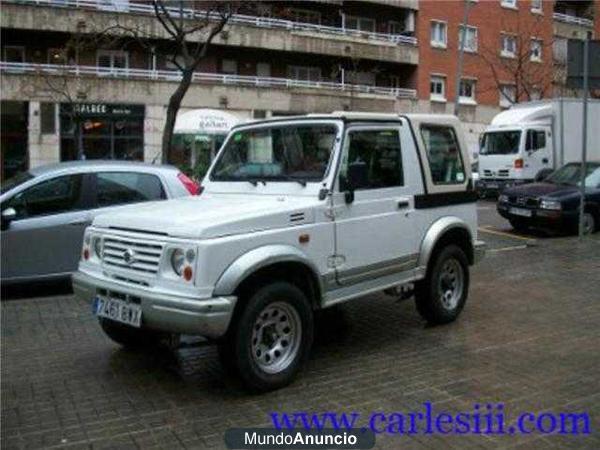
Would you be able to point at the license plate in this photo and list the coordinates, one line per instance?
(119, 311)
(520, 212)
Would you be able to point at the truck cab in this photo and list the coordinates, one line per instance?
(297, 215)
(516, 148)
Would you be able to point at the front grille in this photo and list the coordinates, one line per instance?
(503, 173)
(531, 202)
(487, 173)
(133, 255)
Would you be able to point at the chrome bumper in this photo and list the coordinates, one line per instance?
(207, 317)
(479, 248)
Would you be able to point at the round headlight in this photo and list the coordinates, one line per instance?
(178, 260)
(98, 247)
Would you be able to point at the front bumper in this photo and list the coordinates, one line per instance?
(497, 185)
(540, 218)
(479, 248)
(209, 317)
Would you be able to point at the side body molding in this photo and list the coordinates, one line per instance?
(258, 258)
(435, 231)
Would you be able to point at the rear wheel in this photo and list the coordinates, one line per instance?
(128, 336)
(441, 296)
(589, 223)
(272, 337)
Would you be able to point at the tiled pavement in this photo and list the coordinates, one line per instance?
(529, 337)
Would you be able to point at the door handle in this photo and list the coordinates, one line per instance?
(403, 204)
(545, 160)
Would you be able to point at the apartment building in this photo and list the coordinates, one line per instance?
(274, 58)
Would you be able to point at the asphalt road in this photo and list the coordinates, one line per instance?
(528, 338)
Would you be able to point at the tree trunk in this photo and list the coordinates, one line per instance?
(172, 109)
(77, 135)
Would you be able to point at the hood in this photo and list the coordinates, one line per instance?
(542, 189)
(212, 215)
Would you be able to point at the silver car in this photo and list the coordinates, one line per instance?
(45, 210)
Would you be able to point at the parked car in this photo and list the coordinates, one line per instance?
(297, 215)
(554, 203)
(46, 210)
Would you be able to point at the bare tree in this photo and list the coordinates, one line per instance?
(520, 67)
(63, 84)
(190, 33)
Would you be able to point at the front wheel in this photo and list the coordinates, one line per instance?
(271, 339)
(441, 296)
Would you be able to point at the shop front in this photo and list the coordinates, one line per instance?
(198, 135)
(13, 130)
(101, 131)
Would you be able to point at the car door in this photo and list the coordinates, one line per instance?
(119, 188)
(538, 148)
(46, 236)
(374, 232)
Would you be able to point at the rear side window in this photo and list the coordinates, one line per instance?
(117, 188)
(380, 151)
(443, 154)
(54, 196)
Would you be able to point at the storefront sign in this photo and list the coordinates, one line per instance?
(102, 109)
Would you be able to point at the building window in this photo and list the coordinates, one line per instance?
(57, 56)
(48, 118)
(305, 16)
(468, 40)
(396, 82)
(229, 67)
(466, 91)
(14, 54)
(263, 70)
(360, 23)
(509, 46)
(536, 50)
(395, 27)
(509, 4)
(507, 96)
(439, 34)
(114, 60)
(437, 88)
(304, 73)
(536, 6)
(173, 62)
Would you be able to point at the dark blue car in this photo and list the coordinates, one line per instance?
(554, 203)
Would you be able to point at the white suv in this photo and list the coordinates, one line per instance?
(297, 214)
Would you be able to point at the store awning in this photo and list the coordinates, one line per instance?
(205, 121)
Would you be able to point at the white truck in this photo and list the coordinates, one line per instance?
(530, 140)
(297, 214)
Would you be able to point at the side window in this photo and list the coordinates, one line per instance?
(380, 151)
(54, 196)
(443, 154)
(117, 188)
(536, 139)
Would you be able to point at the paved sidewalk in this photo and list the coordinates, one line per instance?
(529, 337)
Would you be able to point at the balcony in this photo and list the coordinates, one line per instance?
(244, 30)
(574, 20)
(202, 78)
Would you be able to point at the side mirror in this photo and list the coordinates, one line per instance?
(356, 178)
(8, 215)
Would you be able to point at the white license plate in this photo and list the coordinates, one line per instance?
(520, 212)
(118, 310)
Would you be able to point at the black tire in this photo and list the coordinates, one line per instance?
(518, 225)
(429, 299)
(128, 336)
(236, 351)
(590, 221)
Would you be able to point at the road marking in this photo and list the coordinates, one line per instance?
(504, 249)
(485, 207)
(486, 229)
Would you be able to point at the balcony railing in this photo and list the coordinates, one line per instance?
(200, 77)
(241, 19)
(574, 20)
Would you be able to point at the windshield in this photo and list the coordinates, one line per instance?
(15, 181)
(279, 153)
(571, 175)
(500, 143)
